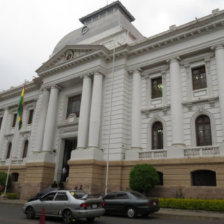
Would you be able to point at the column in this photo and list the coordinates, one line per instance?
(3, 129)
(176, 103)
(219, 57)
(95, 113)
(50, 119)
(84, 113)
(42, 119)
(136, 110)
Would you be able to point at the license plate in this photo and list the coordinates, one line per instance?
(94, 206)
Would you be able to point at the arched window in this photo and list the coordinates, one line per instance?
(15, 177)
(160, 174)
(203, 178)
(157, 135)
(203, 131)
(9, 150)
(25, 148)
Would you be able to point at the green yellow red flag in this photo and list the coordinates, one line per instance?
(20, 109)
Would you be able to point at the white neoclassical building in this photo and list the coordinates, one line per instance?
(108, 97)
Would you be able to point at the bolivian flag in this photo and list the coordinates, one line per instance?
(20, 109)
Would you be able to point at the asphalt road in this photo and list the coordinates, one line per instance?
(12, 214)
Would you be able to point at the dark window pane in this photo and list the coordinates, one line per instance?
(15, 177)
(74, 105)
(48, 197)
(157, 135)
(199, 78)
(203, 178)
(61, 197)
(1, 122)
(203, 131)
(25, 149)
(9, 150)
(30, 117)
(160, 178)
(157, 87)
(14, 120)
(122, 196)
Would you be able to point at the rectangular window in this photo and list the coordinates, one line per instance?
(30, 119)
(199, 78)
(14, 120)
(1, 122)
(157, 87)
(74, 103)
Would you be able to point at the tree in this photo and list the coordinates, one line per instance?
(3, 177)
(143, 177)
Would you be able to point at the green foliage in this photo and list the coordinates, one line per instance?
(3, 177)
(12, 196)
(143, 177)
(192, 204)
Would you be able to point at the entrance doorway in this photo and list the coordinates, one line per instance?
(70, 144)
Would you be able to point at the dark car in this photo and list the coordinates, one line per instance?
(130, 204)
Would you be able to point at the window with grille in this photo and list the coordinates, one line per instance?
(199, 78)
(157, 88)
(74, 103)
(203, 131)
(203, 178)
(157, 135)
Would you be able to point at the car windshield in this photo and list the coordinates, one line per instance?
(78, 194)
(138, 195)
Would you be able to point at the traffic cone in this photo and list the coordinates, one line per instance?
(42, 216)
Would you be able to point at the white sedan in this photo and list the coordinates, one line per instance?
(65, 204)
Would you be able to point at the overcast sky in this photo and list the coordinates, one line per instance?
(30, 29)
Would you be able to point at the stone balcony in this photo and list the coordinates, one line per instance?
(189, 152)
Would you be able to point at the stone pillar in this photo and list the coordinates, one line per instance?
(136, 111)
(50, 119)
(84, 113)
(3, 129)
(95, 113)
(176, 104)
(42, 119)
(219, 57)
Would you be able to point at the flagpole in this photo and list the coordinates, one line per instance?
(112, 90)
(21, 102)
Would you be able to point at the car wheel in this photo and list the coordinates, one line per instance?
(30, 213)
(67, 216)
(131, 213)
(90, 219)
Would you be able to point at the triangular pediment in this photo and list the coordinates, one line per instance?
(71, 53)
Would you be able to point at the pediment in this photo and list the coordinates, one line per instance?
(70, 54)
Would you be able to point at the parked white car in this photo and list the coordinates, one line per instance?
(65, 204)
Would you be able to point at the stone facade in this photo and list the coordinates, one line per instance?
(112, 66)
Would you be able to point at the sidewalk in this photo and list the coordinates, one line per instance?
(191, 213)
(162, 212)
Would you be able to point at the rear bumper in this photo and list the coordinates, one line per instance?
(88, 213)
(147, 210)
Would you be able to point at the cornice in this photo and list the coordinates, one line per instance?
(16, 91)
(181, 33)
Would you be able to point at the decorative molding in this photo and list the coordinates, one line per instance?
(164, 108)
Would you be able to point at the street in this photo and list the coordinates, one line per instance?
(13, 214)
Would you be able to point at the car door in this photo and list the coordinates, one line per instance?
(109, 203)
(60, 202)
(46, 203)
(121, 203)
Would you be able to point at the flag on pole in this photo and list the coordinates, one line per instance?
(20, 109)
